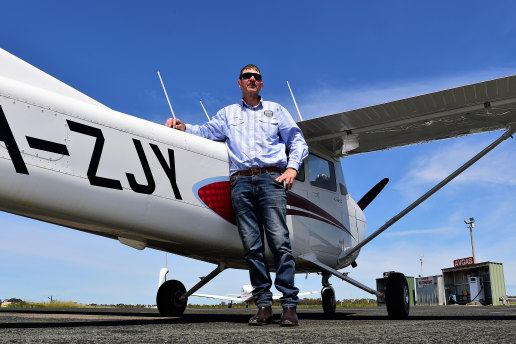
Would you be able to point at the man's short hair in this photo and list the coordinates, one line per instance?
(249, 66)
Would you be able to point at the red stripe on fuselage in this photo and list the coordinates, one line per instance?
(217, 197)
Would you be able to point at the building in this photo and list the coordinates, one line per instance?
(482, 282)
(430, 291)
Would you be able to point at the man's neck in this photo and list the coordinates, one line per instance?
(251, 99)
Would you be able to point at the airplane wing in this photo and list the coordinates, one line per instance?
(480, 107)
(219, 297)
(250, 298)
(278, 296)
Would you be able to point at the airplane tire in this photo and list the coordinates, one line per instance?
(397, 297)
(168, 299)
(328, 300)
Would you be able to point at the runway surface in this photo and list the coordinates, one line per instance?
(440, 324)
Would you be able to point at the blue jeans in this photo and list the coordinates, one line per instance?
(260, 205)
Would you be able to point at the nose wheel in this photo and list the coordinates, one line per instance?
(170, 299)
(328, 296)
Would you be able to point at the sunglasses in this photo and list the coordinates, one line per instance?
(246, 76)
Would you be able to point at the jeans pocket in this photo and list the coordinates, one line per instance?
(232, 182)
(273, 176)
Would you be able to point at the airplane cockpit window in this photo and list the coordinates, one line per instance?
(322, 173)
(301, 173)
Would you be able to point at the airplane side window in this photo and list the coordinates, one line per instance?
(322, 173)
(342, 183)
(301, 173)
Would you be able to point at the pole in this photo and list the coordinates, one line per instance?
(472, 243)
(295, 103)
(166, 95)
(206, 112)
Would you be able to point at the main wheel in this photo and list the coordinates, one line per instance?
(397, 297)
(168, 299)
(328, 300)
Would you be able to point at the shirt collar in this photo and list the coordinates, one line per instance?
(244, 104)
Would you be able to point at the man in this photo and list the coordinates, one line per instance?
(256, 133)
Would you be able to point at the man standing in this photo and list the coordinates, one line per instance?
(256, 133)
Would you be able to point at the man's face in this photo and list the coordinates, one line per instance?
(250, 85)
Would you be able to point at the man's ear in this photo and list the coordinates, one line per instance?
(240, 83)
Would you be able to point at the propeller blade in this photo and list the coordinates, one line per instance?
(371, 194)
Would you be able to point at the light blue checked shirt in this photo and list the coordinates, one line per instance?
(256, 136)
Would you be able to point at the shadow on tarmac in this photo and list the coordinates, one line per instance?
(193, 318)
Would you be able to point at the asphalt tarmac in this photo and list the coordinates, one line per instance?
(439, 324)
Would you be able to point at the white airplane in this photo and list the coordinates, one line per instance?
(69, 160)
(246, 295)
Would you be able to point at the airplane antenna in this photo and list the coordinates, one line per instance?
(206, 112)
(166, 95)
(295, 103)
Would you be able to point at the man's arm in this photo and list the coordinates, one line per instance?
(215, 129)
(296, 144)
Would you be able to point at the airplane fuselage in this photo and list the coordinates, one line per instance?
(88, 167)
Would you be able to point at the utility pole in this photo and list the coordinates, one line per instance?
(471, 225)
(421, 260)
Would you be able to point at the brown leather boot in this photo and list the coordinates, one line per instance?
(263, 317)
(289, 317)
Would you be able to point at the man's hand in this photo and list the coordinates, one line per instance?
(287, 177)
(175, 123)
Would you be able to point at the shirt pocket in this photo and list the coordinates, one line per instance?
(269, 126)
(236, 121)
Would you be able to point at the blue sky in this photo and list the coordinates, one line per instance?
(337, 55)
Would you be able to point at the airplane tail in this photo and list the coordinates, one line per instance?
(15, 69)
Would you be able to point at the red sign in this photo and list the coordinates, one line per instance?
(463, 262)
(425, 282)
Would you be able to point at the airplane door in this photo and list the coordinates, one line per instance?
(325, 235)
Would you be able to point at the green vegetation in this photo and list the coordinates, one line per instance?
(55, 304)
(19, 303)
(303, 303)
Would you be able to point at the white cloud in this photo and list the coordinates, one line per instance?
(496, 168)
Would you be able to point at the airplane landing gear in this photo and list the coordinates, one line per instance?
(172, 295)
(328, 296)
(397, 297)
(170, 300)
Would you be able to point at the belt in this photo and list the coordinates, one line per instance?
(255, 171)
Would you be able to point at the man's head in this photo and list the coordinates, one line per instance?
(250, 81)
(250, 67)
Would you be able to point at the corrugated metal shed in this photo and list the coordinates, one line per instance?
(492, 276)
(430, 291)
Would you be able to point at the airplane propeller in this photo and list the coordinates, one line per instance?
(371, 194)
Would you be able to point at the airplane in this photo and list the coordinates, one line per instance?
(69, 160)
(245, 296)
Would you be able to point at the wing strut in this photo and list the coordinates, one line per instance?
(221, 267)
(311, 258)
(510, 130)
